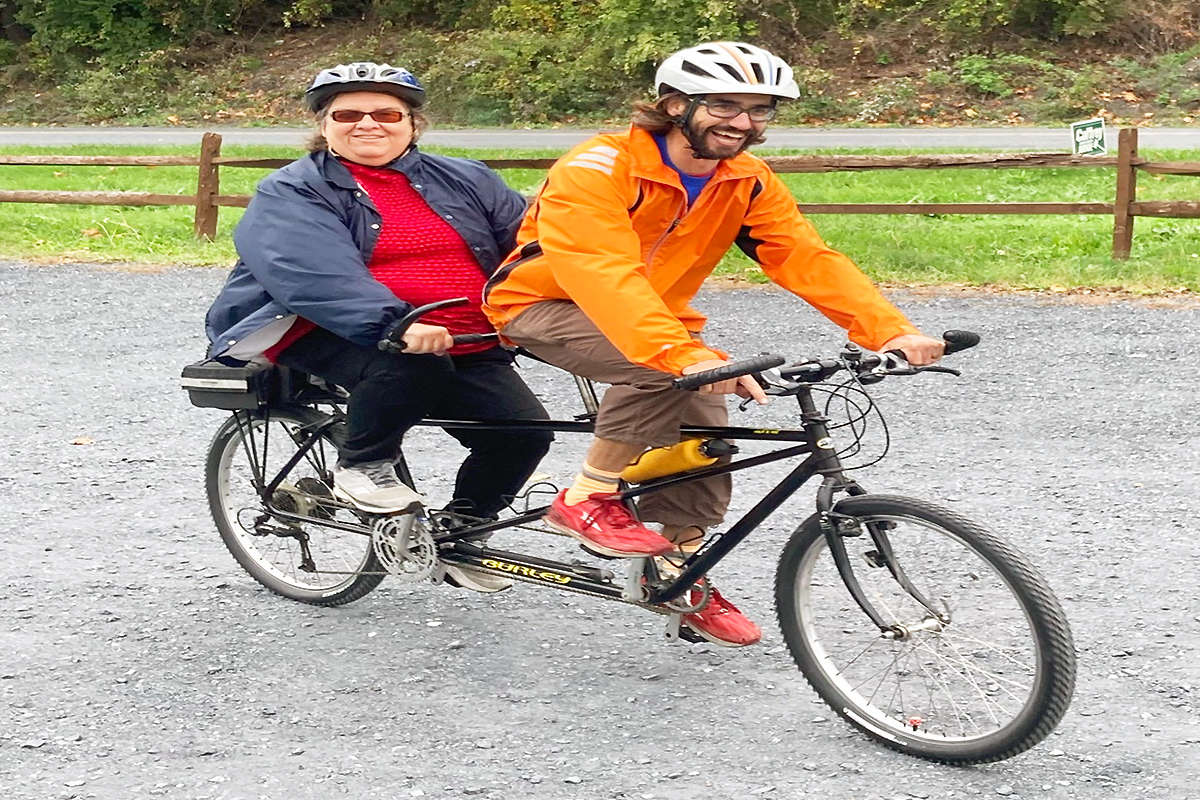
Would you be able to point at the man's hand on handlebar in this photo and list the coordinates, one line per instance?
(420, 339)
(745, 387)
(919, 350)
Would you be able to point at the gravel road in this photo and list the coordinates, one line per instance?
(138, 660)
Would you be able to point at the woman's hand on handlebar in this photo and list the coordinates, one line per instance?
(420, 338)
(919, 349)
(745, 387)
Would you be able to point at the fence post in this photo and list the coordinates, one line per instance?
(208, 186)
(1127, 145)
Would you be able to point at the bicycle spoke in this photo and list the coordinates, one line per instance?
(952, 686)
(292, 544)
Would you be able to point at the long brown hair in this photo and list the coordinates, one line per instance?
(653, 117)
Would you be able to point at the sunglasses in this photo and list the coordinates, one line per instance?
(724, 109)
(382, 115)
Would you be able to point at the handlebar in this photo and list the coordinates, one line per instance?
(394, 341)
(868, 368)
(735, 370)
(957, 341)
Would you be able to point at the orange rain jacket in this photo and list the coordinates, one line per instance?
(611, 231)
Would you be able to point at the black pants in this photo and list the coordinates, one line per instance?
(391, 393)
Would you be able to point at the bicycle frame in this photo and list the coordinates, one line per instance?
(812, 442)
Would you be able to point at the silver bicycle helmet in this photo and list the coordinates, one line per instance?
(364, 76)
(726, 68)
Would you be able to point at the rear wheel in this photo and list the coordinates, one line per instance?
(290, 544)
(983, 672)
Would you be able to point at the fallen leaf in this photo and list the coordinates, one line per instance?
(92, 232)
(83, 440)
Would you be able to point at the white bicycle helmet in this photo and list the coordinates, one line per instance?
(364, 76)
(726, 68)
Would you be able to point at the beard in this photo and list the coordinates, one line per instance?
(707, 147)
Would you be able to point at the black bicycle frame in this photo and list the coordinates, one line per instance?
(812, 440)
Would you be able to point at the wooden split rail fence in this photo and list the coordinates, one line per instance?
(1124, 208)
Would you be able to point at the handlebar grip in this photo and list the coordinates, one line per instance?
(392, 342)
(959, 340)
(734, 370)
(475, 338)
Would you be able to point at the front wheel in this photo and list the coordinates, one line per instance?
(980, 670)
(300, 542)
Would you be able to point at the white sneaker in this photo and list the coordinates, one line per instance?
(476, 581)
(374, 487)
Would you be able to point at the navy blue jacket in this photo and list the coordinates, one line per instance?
(308, 234)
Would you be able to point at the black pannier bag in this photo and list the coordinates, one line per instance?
(211, 384)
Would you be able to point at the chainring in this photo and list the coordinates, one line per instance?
(404, 546)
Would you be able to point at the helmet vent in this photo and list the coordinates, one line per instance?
(692, 69)
(733, 73)
(364, 76)
(732, 67)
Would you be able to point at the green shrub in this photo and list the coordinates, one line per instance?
(131, 91)
(1174, 77)
(937, 79)
(545, 60)
(980, 74)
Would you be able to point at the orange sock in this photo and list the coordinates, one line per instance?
(591, 481)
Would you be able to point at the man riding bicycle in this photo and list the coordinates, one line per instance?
(622, 235)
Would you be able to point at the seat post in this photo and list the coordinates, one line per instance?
(587, 393)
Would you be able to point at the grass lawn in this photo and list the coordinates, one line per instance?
(1027, 252)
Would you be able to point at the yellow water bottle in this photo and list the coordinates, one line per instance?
(687, 455)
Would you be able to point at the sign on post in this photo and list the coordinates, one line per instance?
(1088, 137)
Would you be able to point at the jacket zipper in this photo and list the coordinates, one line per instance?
(679, 212)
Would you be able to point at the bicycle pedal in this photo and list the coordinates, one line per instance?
(677, 631)
(674, 630)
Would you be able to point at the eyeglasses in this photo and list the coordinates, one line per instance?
(382, 115)
(725, 109)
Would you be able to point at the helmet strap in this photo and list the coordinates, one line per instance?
(684, 120)
(685, 125)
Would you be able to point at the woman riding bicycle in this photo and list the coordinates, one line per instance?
(337, 247)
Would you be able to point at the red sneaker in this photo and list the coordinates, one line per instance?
(721, 623)
(604, 525)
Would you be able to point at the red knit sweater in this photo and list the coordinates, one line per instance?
(419, 256)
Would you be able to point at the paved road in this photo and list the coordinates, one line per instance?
(137, 660)
(967, 139)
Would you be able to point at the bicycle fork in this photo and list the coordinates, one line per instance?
(837, 527)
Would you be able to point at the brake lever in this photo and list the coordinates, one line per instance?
(905, 368)
(892, 362)
(773, 384)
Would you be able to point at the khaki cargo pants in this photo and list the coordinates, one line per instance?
(640, 407)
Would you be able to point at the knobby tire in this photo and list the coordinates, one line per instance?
(346, 565)
(989, 683)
